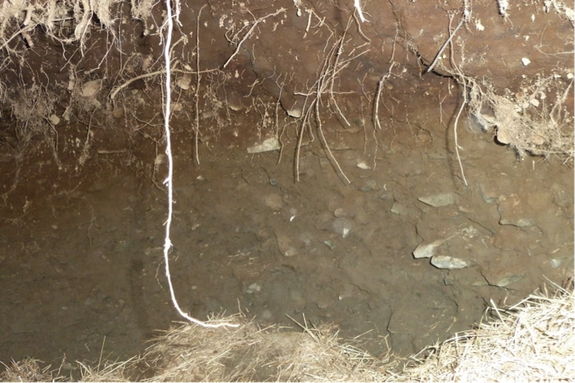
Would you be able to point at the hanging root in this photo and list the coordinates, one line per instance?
(331, 68)
(169, 179)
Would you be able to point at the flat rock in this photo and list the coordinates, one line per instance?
(267, 145)
(488, 193)
(252, 288)
(504, 269)
(398, 209)
(449, 263)
(91, 88)
(508, 280)
(370, 185)
(438, 200)
(273, 201)
(285, 243)
(427, 250)
(456, 247)
(342, 226)
(513, 211)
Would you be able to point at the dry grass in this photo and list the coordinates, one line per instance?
(63, 21)
(32, 107)
(108, 372)
(248, 353)
(533, 340)
(26, 370)
(535, 120)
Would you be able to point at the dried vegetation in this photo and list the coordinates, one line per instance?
(530, 341)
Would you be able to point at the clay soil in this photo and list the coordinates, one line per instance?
(81, 259)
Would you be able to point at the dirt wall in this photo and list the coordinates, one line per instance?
(440, 130)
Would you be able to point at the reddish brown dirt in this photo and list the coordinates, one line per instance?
(81, 243)
(82, 267)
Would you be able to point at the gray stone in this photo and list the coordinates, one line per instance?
(273, 201)
(427, 250)
(295, 112)
(91, 88)
(503, 269)
(449, 263)
(267, 145)
(370, 185)
(55, 120)
(329, 244)
(509, 279)
(513, 211)
(342, 226)
(184, 82)
(339, 212)
(556, 262)
(298, 301)
(285, 243)
(363, 165)
(488, 194)
(520, 222)
(438, 200)
(387, 196)
(252, 288)
(266, 314)
(398, 209)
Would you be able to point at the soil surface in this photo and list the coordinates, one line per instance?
(81, 252)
